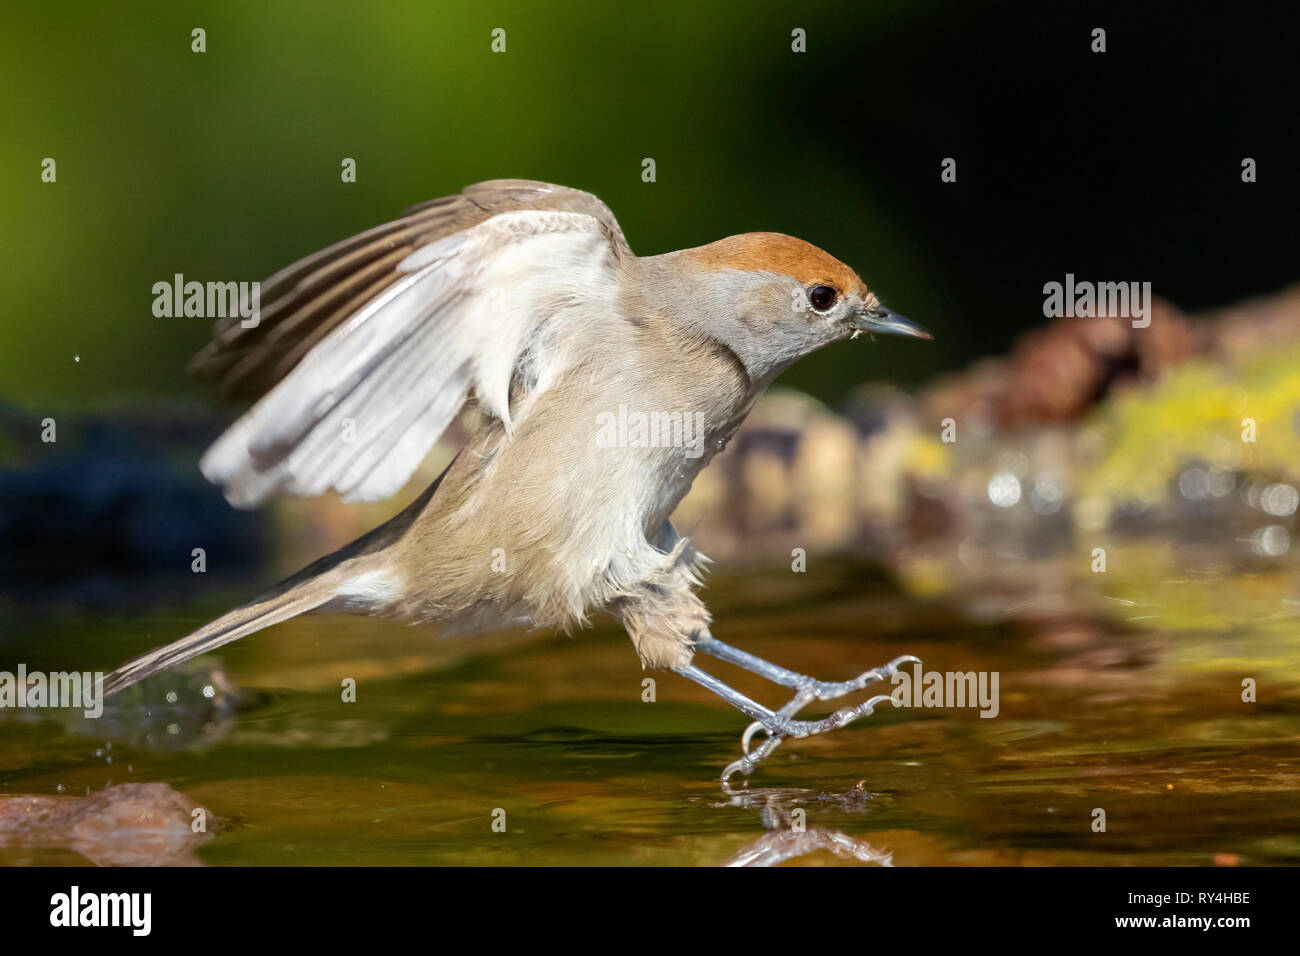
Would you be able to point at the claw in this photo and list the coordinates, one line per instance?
(741, 766)
(784, 726)
(780, 724)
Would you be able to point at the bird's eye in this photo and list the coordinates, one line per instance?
(822, 297)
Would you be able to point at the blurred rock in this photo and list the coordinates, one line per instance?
(1058, 373)
(797, 475)
(129, 824)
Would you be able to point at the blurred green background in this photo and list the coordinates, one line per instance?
(225, 165)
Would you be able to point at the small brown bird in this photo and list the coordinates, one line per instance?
(599, 384)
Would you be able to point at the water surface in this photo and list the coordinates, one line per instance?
(1119, 691)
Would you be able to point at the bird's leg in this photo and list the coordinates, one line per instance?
(780, 724)
(802, 683)
(668, 623)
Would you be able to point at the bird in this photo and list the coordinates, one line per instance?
(519, 309)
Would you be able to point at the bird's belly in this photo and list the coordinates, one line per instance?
(558, 522)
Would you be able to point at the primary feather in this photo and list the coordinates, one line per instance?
(452, 302)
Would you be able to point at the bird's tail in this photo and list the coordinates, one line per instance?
(312, 587)
(231, 626)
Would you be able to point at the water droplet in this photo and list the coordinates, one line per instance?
(1194, 483)
(1221, 481)
(1279, 500)
(1047, 494)
(1270, 542)
(1004, 489)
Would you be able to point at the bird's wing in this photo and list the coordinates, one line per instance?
(367, 350)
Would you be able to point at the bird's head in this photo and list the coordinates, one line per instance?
(772, 299)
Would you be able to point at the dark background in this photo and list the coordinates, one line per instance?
(1122, 166)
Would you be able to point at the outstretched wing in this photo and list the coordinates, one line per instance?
(370, 348)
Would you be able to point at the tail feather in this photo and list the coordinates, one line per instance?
(312, 587)
(231, 626)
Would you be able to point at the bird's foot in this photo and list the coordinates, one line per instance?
(782, 727)
(781, 724)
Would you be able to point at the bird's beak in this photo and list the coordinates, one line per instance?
(887, 322)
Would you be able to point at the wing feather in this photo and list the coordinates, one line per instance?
(375, 344)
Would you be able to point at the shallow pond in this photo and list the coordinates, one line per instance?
(1120, 691)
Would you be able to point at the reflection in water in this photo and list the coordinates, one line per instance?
(777, 805)
(1121, 690)
(781, 845)
(782, 812)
